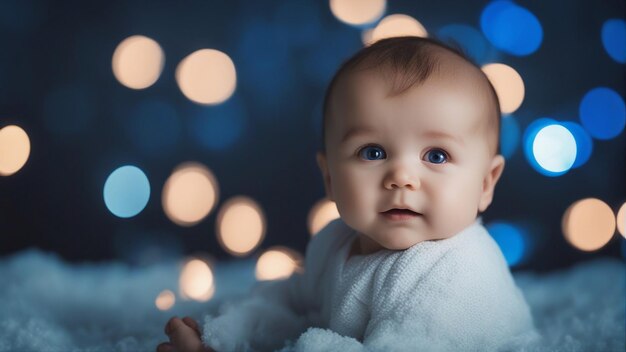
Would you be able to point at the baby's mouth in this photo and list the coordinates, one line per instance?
(400, 214)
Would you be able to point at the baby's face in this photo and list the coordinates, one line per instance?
(426, 150)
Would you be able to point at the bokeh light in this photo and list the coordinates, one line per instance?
(552, 155)
(511, 28)
(398, 25)
(620, 220)
(137, 62)
(219, 127)
(511, 240)
(323, 212)
(165, 300)
(358, 12)
(588, 224)
(508, 84)
(554, 148)
(367, 35)
(584, 143)
(14, 149)
(602, 112)
(154, 127)
(207, 76)
(509, 135)
(469, 38)
(277, 263)
(189, 194)
(614, 39)
(196, 281)
(126, 191)
(240, 225)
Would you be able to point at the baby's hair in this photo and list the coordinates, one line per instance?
(411, 60)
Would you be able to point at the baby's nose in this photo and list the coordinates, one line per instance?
(402, 177)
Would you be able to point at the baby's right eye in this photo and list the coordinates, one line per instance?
(372, 152)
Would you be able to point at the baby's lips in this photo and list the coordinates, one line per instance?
(401, 211)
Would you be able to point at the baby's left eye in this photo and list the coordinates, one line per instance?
(437, 156)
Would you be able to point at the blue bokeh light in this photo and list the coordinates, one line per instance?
(528, 141)
(69, 110)
(511, 240)
(511, 28)
(218, 127)
(126, 191)
(509, 135)
(469, 38)
(614, 39)
(584, 143)
(154, 127)
(602, 112)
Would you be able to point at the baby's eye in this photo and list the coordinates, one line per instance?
(372, 152)
(437, 156)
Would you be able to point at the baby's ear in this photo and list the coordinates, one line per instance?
(490, 181)
(322, 162)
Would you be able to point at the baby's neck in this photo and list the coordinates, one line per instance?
(364, 245)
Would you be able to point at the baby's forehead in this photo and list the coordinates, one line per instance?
(453, 90)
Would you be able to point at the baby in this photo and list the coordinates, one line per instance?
(410, 156)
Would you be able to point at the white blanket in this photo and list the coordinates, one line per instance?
(455, 294)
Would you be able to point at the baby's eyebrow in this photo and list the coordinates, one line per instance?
(439, 134)
(353, 132)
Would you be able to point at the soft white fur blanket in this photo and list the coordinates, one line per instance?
(49, 305)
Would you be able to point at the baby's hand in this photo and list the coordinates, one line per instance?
(184, 335)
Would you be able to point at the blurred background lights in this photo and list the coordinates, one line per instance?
(398, 25)
(14, 149)
(138, 62)
(165, 300)
(614, 39)
(508, 84)
(603, 113)
(588, 224)
(366, 36)
(509, 135)
(126, 191)
(510, 239)
(189, 194)
(207, 76)
(511, 28)
(196, 281)
(323, 212)
(584, 143)
(358, 12)
(620, 220)
(469, 38)
(153, 127)
(277, 263)
(240, 225)
(554, 148)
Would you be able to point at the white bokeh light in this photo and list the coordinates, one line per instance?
(138, 62)
(358, 12)
(554, 148)
(207, 76)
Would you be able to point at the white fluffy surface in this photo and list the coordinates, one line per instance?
(48, 305)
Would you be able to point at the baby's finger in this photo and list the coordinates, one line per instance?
(192, 324)
(165, 347)
(169, 325)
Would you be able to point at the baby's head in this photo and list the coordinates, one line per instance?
(410, 123)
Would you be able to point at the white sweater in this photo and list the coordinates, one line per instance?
(455, 294)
